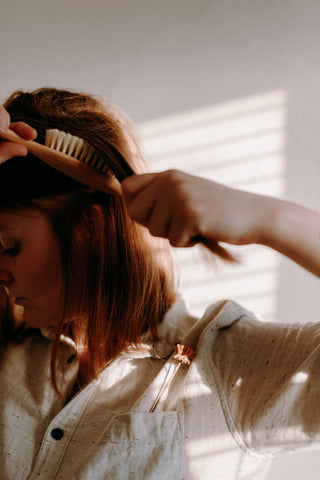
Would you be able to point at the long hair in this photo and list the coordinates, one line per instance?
(117, 278)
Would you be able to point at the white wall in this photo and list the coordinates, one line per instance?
(223, 88)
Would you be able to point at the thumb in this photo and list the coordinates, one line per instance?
(134, 185)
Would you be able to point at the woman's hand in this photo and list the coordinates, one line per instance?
(186, 209)
(10, 149)
(183, 207)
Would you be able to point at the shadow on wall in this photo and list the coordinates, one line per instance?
(242, 144)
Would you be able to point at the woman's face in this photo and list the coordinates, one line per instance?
(30, 265)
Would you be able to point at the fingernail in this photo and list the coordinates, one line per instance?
(2, 130)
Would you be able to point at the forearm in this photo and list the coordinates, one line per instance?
(293, 231)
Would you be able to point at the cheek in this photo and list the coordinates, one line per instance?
(43, 272)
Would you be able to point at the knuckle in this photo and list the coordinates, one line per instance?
(172, 177)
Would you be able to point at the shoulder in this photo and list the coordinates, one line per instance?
(228, 323)
(266, 374)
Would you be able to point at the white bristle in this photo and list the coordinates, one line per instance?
(75, 147)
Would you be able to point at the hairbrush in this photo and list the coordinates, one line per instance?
(72, 156)
(77, 159)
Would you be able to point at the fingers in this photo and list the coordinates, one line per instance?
(4, 118)
(161, 202)
(135, 184)
(24, 130)
(183, 228)
(9, 149)
(139, 195)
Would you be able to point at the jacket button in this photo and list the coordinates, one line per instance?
(57, 433)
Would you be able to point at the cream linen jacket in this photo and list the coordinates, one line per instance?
(251, 392)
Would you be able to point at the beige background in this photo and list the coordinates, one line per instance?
(227, 89)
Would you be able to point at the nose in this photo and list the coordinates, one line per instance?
(5, 277)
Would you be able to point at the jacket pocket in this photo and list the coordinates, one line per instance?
(140, 446)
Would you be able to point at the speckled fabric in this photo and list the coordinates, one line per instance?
(251, 392)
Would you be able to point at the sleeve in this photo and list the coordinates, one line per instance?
(268, 378)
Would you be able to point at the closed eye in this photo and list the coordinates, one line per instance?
(13, 251)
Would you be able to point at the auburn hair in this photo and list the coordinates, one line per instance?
(117, 278)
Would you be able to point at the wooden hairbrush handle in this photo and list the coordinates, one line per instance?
(68, 165)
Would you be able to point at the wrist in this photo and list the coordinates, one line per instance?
(270, 212)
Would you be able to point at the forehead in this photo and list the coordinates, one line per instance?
(22, 221)
(32, 229)
(9, 217)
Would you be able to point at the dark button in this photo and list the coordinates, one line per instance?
(57, 433)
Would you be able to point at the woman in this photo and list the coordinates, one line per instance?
(90, 386)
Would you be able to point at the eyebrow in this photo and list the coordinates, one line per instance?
(4, 229)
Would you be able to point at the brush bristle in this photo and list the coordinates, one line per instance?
(75, 147)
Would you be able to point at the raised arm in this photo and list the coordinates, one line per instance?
(184, 208)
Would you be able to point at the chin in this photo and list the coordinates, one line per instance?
(36, 321)
(39, 323)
